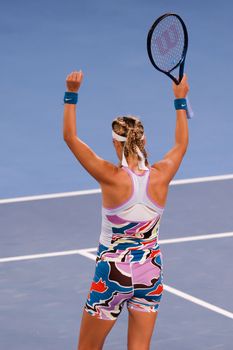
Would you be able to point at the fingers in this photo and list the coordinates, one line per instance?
(81, 76)
(184, 79)
(185, 82)
(74, 81)
(181, 90)
(75, 76)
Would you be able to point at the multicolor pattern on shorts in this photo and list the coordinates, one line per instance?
(129, 271)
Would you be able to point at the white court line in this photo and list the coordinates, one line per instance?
(49, 196)
(176, 292)
(40, 256)
(198, 301)
(182, 239)
(95, 191)
(202, 179)
(196, 238)
(87, 251)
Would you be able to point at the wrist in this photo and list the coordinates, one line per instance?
(179, 96)
(180, 103)
(70, 90)
(71, 97)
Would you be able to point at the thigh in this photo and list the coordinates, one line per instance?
(93, 332)
(144, 305)
(148, 284)
(140, 329)
(110, 289)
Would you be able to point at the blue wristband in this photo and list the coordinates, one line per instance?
(71, 97)
(180, 103)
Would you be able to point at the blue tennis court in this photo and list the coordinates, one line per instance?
(48, 242)
(48, 248)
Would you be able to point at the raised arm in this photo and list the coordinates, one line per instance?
(169, 165)
(100, 169)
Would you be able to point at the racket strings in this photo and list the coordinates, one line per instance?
(167, 43)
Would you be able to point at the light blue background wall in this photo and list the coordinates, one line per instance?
(42, 41)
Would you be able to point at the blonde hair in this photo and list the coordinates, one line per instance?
(131, 127)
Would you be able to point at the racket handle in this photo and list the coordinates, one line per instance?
(190, 112)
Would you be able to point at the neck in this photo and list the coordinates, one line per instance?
(133, 163)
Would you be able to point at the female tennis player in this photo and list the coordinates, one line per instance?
(129, 264)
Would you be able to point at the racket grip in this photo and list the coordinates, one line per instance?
(189, 111)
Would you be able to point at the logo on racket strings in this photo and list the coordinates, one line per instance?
(167, 40)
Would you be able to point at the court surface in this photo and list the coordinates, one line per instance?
(48, 250)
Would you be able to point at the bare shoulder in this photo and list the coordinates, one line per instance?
(157, 171)
(116, 175)
(162, 164)
(166, 170)
(110, 174)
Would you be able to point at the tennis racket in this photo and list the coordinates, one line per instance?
(167, 45)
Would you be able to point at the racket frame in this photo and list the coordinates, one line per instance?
(182, 60)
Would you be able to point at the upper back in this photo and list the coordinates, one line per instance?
(137, 201)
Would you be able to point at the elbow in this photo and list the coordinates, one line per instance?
(67, 139)
(68, 133)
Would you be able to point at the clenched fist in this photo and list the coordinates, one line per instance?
(181, 90)
(74, 81)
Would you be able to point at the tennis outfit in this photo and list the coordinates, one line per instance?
(129, 265)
